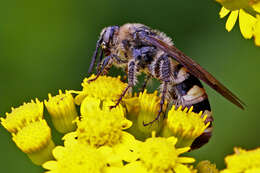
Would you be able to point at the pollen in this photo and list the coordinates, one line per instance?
(35, 140)
(159, 154)
(62, 110)
(76, 159)
(23, 115)
(243, 161)
(102, 127)
(92, 104)
(105, 87)
(185, 125)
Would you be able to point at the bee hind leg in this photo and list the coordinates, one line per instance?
(165, 71)
(161, 104)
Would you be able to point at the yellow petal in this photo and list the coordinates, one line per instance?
(231, 20)
(246, 24)
(50, 165)
(257, 31)
(223, 12)
(179, 168)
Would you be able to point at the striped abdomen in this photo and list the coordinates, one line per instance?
(188, 91)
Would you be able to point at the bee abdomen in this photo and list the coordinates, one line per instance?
(190, 92)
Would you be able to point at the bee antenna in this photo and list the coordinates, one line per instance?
(94, 57)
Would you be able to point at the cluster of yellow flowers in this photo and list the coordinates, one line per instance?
(248, 13)
(100, 139)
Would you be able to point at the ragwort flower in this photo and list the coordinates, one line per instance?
(23, 115)
(247, 12)
(243, 161)
(63, 111)
(103, 88)
(184, 125)
(79, 158)
(159, 155)
(101, 126)
(144, 109)
(35, 140)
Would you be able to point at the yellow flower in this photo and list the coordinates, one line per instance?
(79, 158)
(101, 126)
(35, 140)
(243, 161)
(246, 21)
(185, 125)
(70, 139)
(62, 110)
(144, 109)
(91, 104)
(246, 11)
(159, 155)
(23, 115)
(206, 167)
(234, 4)
(105, 87)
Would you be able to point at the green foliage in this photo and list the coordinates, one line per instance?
(47, 45)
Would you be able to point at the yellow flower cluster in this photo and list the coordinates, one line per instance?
(248, 13)
(243, 161)
(30, 131)
(106, 140)
(103, 140)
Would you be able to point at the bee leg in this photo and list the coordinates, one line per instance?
(105, 63)
(165, 71)
(121, 97)
(161, 104)
(131, 81)
(148, 77)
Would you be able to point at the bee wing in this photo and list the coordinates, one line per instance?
(195, 69)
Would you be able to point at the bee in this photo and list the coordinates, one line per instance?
(140, 49)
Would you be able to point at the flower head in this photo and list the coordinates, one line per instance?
(144, 109)
(100, 125)
(80, 158)
(35, 140)
(158, 154)
(62, 110)
(246, 11)
(234, 4)
(105, 87)
(23, 115)
(185, 125)
(102, 128)
(243, 161)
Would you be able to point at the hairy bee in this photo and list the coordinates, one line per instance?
(137, 48)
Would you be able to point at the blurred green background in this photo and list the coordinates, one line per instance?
(47, 45)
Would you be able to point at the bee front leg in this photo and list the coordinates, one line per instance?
(105, 64)
(132, 68)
